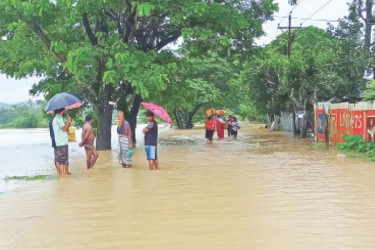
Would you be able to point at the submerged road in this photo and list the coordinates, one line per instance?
(265, 190)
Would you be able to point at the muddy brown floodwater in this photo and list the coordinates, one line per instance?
(264, 190)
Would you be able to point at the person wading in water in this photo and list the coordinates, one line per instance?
(151, 141)
(88, 138)
(60, 130)
(125, 140)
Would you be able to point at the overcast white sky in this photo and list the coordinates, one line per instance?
(14, 91)
(316, 10)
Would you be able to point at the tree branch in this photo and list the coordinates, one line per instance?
(46, 41)
(296, 102)
(196, 108)
(361, 16)
(90, 34)
(124, 89)
(168, 40)
(128, 20)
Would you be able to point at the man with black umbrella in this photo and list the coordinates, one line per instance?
(60, 129)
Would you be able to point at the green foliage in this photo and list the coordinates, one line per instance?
(198, 82)
(7, 115)
(144, 9)
(111, 50)
(357, 144)
(352, 142)
(27, 178)
(25, 115)
(370, 92)
(321, 66)
(250, 113)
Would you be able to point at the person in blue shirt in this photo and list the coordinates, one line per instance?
(151, 141)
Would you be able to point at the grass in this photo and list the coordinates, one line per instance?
(27, 178)
(357, 155)
(320, 146)
(4, 126)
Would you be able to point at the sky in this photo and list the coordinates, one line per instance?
(319, 11)
(14, 91)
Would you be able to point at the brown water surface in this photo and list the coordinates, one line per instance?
(264, 190)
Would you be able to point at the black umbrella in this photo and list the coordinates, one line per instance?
(63, 100)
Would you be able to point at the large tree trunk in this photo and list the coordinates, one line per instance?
(177, 120)
(103, 140)
(189, 123)
(185, 119)
(180, 120)
(133, 115)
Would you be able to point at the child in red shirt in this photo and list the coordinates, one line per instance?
(210, 128)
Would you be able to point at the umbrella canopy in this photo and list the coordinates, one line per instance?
(158, 111)
(63, 100)
(221, 112)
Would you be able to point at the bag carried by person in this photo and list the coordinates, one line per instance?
(52, 133)
(71, 134)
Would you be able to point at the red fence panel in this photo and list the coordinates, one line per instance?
(345, 122)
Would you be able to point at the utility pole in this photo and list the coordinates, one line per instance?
(289, 27)
(301, 123)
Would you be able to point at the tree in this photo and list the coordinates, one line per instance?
(355, 42)
(321, 67)
(361, 21)
(23, 115)
(198, 82)
(109, 49)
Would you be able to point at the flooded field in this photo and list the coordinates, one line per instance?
(265, 190)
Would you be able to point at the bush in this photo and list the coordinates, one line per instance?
(356, 143)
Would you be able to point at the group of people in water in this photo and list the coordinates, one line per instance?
(59, 136)
(218, 124)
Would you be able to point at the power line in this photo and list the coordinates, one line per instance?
(311, 19)
(290, 11)
(295, 6)
(318, 10)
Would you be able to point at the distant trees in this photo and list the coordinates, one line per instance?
(321, 66)
(24, 115)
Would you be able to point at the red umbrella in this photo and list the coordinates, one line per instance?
(220, 112)
(158, 111)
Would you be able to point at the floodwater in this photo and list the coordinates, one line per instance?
(265, 190)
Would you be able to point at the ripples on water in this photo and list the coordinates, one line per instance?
(264, 190)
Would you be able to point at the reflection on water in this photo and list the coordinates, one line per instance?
(264, 190)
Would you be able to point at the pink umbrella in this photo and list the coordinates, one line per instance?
(158, 111)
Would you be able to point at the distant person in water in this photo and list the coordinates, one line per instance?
(125, 140)
(60, 131)
(235, 127)
(151, 141)
(210, 128)
(88, 138)
(229, 121)
(219, 127)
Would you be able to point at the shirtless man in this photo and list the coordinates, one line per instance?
(88, 138)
